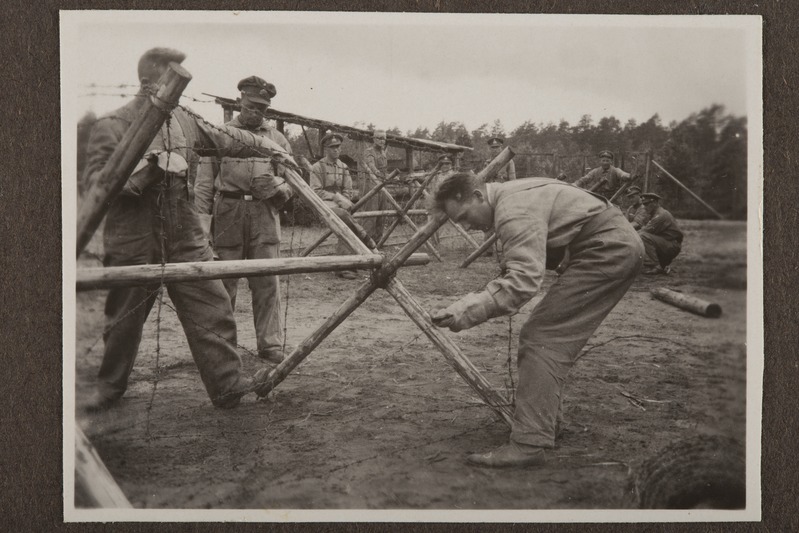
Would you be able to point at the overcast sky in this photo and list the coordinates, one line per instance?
(409, 70)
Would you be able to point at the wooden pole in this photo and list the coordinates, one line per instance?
(415, 196)
(267, 381)
(390, 213)
(94, 484)
(689, 303)
(689, 191)
(646, 171)
(483, 248)
(402, 215)
(128, 276)
(129, 152)
(465, 234)
(409, 159)
(462, 365)
(360, 203)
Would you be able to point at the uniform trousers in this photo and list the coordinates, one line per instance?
(247, 229)
(659, 250)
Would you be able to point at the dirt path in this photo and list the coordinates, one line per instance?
(375, 418)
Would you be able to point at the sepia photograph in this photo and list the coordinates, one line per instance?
(411, 267)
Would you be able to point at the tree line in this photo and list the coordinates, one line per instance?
(707, 152)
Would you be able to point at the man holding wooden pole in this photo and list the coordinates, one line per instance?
(243, 195)
(537, 220)
(153, 220)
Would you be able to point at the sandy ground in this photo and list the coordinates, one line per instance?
(375, 418)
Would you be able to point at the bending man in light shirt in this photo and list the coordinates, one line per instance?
(538, 220)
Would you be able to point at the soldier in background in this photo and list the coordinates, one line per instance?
(375, 163)
(506, 173)
(331, 181)
(241, 196)
(636, 212)
(604, 179)
(661, 236)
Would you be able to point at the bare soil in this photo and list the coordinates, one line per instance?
(375, 418)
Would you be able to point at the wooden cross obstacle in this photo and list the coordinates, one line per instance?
(266, 380)
(132, 147)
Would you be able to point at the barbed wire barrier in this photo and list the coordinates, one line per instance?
(154, 117)
(161, 103)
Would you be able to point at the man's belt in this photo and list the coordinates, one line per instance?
(237, 195)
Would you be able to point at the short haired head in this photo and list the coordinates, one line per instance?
(155, 60)
(462, 196)
(257, 90)
(456, 187)
(379, 134)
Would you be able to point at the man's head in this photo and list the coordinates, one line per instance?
(154, 62)
(256, 96)
(495, 145)
(634, 195)
(445, 163)
(463, 198)
(651, 202)
(331, 143)
(605, 159)
(379, 138)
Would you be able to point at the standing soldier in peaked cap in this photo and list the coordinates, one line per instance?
(506, 173)
(244, 196)
(154, 220)
(331, 181)
(604, 179)
(375, 163)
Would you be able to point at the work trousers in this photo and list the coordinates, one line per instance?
(603, 261)
(659, 251)
(143, 230)
(247, 229)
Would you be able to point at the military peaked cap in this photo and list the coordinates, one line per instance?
(496, 141)
(444, 158)
(633, 190)
(257, 90)
(332, 139)
(650, 196)
(606, 153)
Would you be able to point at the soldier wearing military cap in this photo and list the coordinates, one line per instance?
(604, 179)
(153, 220)
(636, 212)
(661, 236)
(506, 173)
(331, 181)
(375, 165)
(244, 195)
